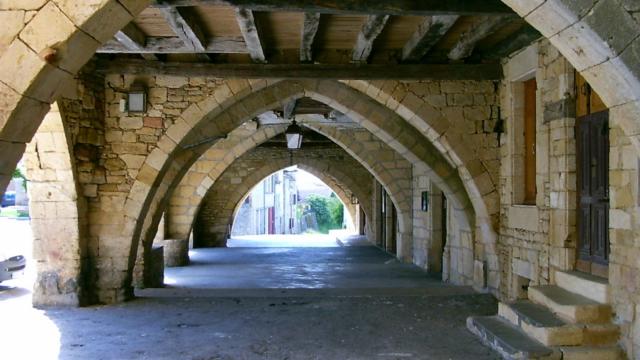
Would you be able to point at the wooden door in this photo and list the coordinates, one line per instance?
(394, 229)
(592, 132)
(383, 218)
(530, 88)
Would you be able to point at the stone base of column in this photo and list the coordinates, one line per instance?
(176, 252)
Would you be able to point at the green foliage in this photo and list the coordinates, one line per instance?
(17, 174)
(337, 211)
(328, 211)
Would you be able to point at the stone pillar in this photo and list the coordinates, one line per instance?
(155, 272)
(57, 216)
(176, 252)
(376, 226)
(435, 250)
(389, 228)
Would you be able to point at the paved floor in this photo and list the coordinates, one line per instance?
(262, 303)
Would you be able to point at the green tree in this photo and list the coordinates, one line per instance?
(337, 211)
(328, 210)
(17, 174)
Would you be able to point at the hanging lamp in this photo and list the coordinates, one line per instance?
(294, 136)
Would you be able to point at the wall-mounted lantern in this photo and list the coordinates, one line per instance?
(137, 100)
(354, 199)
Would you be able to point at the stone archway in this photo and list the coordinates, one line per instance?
(224, 198)
(28, 84)
(580, 33)
(158, 177)
(366, 150)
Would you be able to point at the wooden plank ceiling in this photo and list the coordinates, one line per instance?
(322, 32)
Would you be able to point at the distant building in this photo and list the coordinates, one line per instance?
(270, 208)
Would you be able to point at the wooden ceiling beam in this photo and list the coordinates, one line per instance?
(159, 45)
(133, 39)
(388, 7)
(432, 29)
(518, 40)
(309, 30)
(251, 35)
(371, 28)
(307, 71)
(185, 27)
(468, 40)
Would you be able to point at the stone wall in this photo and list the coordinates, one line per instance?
(537, 240)
(624, 235)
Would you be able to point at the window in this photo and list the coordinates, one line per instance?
(270, 184)
(523, 141)
(530, 142)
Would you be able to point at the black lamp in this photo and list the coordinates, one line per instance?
(294, 136)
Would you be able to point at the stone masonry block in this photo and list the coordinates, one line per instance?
(36, 78)
(19, 116)
(99, 18)
(47, 29)
(551, 17)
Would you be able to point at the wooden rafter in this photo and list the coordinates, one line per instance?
(371, 28)
(161, 45)
(307, 71)
(185, 28)
(251, 35)
(521, 38)
(133, 39)
(309, 30)
(467, 42)
(388, 7)
(426, 36)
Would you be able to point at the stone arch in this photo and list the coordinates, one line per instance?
(367, 150)
(606, 55)
(224, 198)
(187, 197)
(148, 191)
(608, 62)
(340, 183)
(28, 84)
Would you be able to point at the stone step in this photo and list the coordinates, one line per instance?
(541, 324)
(600, 334)
(544, 326)
(591, 353)
(570, 306)
(508, 340)
(589, 286)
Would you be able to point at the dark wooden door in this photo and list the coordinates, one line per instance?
(394, 228)
(593, 192)
(383, 218)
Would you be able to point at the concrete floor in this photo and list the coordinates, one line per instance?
(261, 303)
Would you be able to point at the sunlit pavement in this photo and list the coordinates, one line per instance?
(25, 333)
(290, 240)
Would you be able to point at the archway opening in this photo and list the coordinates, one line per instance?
(292, 208)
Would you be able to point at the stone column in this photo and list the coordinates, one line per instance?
(57, 216)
